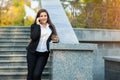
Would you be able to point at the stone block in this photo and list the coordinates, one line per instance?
(72, 61)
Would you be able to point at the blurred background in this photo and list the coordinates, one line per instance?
(18, 12)
(100, 14)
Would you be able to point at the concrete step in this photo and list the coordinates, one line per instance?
(14, 29)
(13, 62)
(15, 57)
(21, 62)
(12, 49)
(12, 57)
(19, 54)
(14, 36)
(4, 39)
(14, 43)
(12, 46)
(19, 75)
(8, 49)
(19, 66)
(14, 32)
(13, 69)
(5, 34)
(14, 52)
(19, 69)
(23, 79)
(8, 52)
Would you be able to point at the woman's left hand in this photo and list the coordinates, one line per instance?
(55, 38)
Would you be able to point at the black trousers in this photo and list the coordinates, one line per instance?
(36, 63)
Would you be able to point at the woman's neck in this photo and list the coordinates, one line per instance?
(44, 24)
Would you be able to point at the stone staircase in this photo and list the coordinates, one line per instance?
(13, 42)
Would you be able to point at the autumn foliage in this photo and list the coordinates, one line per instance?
(12, 13)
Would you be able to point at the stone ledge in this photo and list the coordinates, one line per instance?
(112, 58)
(78, 47)
(97, 35)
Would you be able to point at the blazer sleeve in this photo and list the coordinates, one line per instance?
(35, 32)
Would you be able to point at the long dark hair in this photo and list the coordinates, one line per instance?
(48, 20)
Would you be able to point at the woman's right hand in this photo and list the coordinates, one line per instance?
(38, 21)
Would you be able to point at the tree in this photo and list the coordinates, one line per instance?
(18, 12)
(79, 12)
(112, 14)
(12, 12)
(93, 1)
(4, 8)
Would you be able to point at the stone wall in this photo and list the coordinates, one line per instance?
(72, 61)
(108, 43)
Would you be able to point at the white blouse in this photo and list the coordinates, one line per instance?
(45, 33)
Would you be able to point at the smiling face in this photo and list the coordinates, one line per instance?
(43, 18)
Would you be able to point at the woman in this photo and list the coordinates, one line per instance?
(42, 31)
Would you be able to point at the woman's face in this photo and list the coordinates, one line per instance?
(43, 18)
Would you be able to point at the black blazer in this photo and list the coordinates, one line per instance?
(35, 37)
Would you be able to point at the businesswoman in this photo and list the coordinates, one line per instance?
(42, 31)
